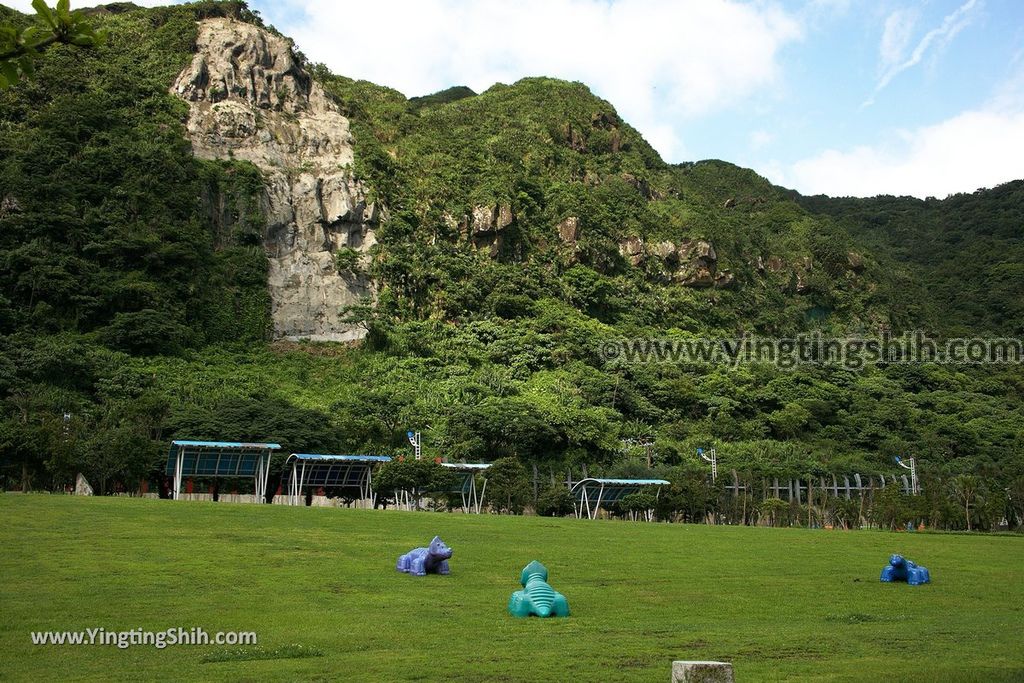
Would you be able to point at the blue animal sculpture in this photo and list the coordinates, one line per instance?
(901, 569)
(430, 560)
(537, 598)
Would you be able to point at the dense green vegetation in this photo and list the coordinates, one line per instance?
(134, 308)
(322, 582)
(966, 251)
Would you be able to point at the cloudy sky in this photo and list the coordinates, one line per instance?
(844, 97)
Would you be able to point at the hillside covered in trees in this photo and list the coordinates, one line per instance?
(520, 229)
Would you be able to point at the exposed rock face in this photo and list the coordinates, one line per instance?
(641, 185)
(485, 226)
(692, 263)
(804, 266)
(569, 230)
(575, 139)
(250, 100)
(699, 266)
(610, 122)
(665, 250)
(855, 261)
(490, 220)
(698, 251)
(632, 248)
(9, 205)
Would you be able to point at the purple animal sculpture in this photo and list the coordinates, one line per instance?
(430, 560)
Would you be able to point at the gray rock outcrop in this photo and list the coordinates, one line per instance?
(569, 230)
(484, 226)
(632, 249)
(249, 99)
(692, 263)
(82, 487)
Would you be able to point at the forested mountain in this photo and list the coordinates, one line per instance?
(966, 250)
(176, 240)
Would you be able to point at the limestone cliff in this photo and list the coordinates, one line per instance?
(249, 99)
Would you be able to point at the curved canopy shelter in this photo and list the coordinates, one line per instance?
(589, 494)
(303, 470)
(467, 472)
(221, 459)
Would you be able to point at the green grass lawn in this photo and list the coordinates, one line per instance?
(780, 604)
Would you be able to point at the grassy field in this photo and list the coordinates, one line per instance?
(780, 604)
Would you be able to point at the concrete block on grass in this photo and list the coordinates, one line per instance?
(701, 672)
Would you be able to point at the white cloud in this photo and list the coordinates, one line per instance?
(761, 138)
(951, 25)
(975, 149)
(899, 27)
(657, 61)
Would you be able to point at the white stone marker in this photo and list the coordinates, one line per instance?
(702, 672)
(82, 487)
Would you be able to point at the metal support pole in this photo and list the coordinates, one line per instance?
(369, 484)
(480, 501)
(178, 465)
(257, 477)
(293, 485)
(266, 477)
(216, 467)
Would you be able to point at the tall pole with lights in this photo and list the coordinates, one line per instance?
(416, 440)
(710, 456)
(910, 464)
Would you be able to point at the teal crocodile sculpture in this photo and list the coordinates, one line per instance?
(537, 598)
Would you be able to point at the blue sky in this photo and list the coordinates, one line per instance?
(845, 97)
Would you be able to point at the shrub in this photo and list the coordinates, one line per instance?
(557, 501)
(346, 260)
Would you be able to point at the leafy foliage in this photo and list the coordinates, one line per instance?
(20, 48)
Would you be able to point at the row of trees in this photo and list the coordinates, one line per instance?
(963, 502)
(960, 502)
